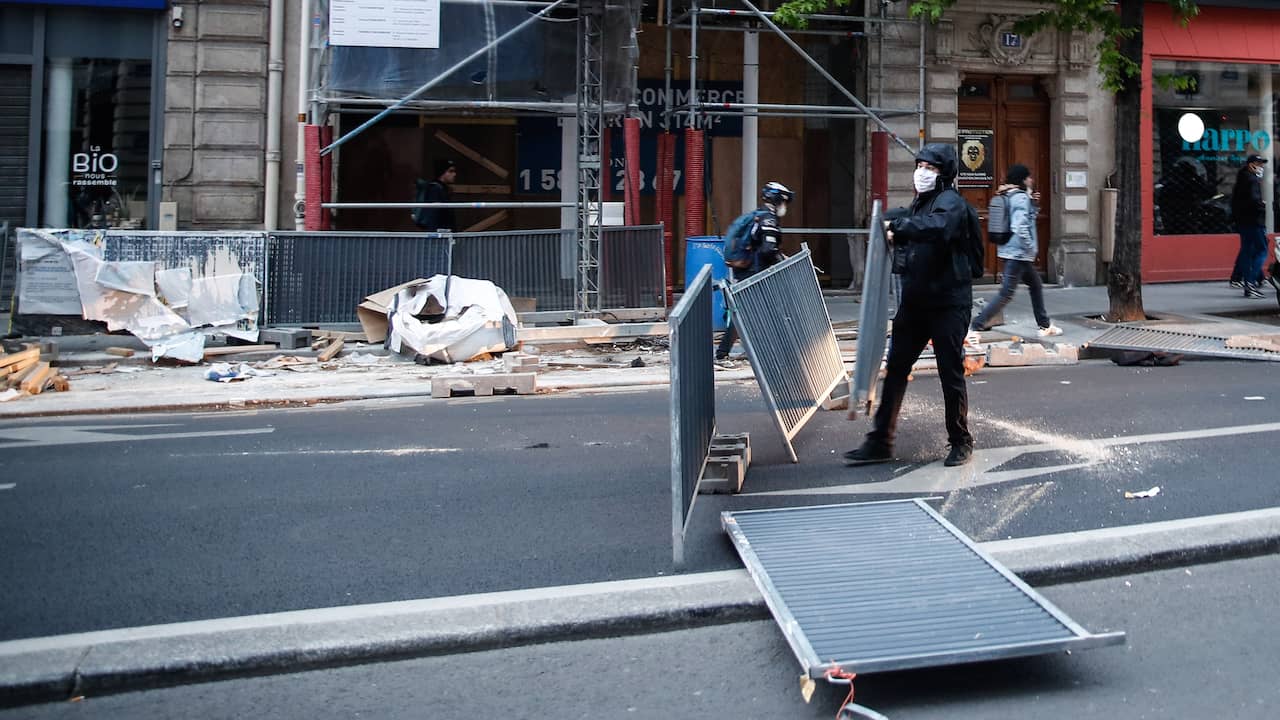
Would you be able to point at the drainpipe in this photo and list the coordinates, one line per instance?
(275, 83)
(750, 124)
(304, 90)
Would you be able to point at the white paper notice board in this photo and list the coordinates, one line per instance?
(385, 23)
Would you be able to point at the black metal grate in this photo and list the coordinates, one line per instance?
(887, 586)
(693, 400)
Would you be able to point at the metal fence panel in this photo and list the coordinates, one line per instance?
(206, 254)
(905, 589)
(523, 263)
(633, 273)
(873, 321)
(787, 332)
(320, 277)
(693, 401)
(1152, 339)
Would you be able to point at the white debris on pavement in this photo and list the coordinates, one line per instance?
(1142, 493)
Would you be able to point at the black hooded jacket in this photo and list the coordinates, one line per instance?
(934, 233)
(1247, 207)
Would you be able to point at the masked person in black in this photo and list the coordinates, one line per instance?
(931, 243)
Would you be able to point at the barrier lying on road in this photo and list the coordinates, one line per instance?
(786, 330)
(693, 401)
(1169, 341)
(873, 322)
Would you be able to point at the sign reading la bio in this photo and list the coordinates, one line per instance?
(94, 168)
(385, 23)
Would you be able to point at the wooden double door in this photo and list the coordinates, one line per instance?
(1010, 116)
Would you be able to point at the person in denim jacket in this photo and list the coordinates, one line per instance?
(1019, 254)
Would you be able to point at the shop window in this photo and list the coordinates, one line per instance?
(97, 137)
(1204, 127)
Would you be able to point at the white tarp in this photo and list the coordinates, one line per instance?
(474, 317)
(46, 277)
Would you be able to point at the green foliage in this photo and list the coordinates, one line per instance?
(1090, 16)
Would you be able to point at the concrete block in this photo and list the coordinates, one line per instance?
(178, 93)
(1023, 354)
(233, 21)
(213, 206)
(520, 362)
(286, 338)
(181, 58)
(229, 130)
(223, 166)
(231, 93)
(444, 386)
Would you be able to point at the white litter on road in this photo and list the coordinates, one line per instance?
(1254, 397)
(1142, 494)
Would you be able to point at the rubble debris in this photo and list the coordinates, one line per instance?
(444, 386)
(520, 362)
(1015, 354)
(119, 351)
(446, 318)
(35, 381)
(1142, 493)
(226, 372)
(285, 338)
(236, 350)
(331, 351)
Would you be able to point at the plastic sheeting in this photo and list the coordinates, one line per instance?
(535, 65)
(451, 319)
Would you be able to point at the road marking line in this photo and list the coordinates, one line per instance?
(394, 452)
(8, 486)
(45, 435)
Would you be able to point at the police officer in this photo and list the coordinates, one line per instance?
(764, 246)
(931, 256)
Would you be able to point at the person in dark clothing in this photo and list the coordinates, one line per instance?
(1250, 213)
(436, 191)
(930, 247)
(763, 245)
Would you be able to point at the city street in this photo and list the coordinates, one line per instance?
(1202, 643)
(121, 521)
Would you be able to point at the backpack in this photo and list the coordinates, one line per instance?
(420, 215)
(975, 244)
(998, 230)
(737, 240)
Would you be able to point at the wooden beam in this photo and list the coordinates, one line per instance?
(334, 348)
(488, 222)
(481, 189)
(472, 155)
(618, 332)
(339, 335)
(20, 357)
(120, 351)
(35, 380)
(236, 350)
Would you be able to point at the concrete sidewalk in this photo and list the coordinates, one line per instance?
(367, 371)
(55, 668)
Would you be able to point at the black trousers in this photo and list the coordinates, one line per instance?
(913, 328)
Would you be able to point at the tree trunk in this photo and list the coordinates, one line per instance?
(1124, 281)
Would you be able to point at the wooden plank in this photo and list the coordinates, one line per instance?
(480, 189)
(119, 351)
(20, 357)
(61, 383)
(35, 380)
(19, 373)
(334, 348)
(236, 350)
(339, 335)
(488, 222)
(616, 332)
(472, 155)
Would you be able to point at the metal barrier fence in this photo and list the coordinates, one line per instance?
(785, 327)
(320, 277)
(873, 322)
(693, 401)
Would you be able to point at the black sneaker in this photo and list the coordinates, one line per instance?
(959, 455)
(869, 453)
(1252, 291)
(722, 355)
(1236, 284)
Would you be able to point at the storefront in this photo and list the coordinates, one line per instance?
(1198, 137)
(81, 88)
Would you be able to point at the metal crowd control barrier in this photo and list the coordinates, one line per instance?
(873, 322)
(785, 327)
(693, 402)
(320, 277)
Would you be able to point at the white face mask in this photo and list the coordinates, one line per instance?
(782, 210)
(925, 179)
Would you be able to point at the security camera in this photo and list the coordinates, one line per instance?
(177, 17)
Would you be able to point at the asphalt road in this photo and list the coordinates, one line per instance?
(1202, 643)
(121, 521)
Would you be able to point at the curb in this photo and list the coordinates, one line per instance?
(111, 661)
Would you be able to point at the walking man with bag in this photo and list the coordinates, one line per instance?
(1019, 252)
(1250, 213)
(752, 245)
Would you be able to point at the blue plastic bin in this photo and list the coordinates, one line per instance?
(707, 250)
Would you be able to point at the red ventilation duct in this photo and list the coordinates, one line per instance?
(695, 202)
(631, 211)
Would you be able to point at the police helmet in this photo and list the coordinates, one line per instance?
(775, 193)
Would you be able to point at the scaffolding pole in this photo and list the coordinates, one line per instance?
(590, 108)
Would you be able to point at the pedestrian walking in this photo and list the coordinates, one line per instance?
(752, 245)
(1249, 212)
(1019, 252)
(439, 190)
(932, 242)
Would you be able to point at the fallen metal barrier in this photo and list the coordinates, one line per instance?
(1170, 341)
(786, 330)
(693, 402)
(873, 321)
